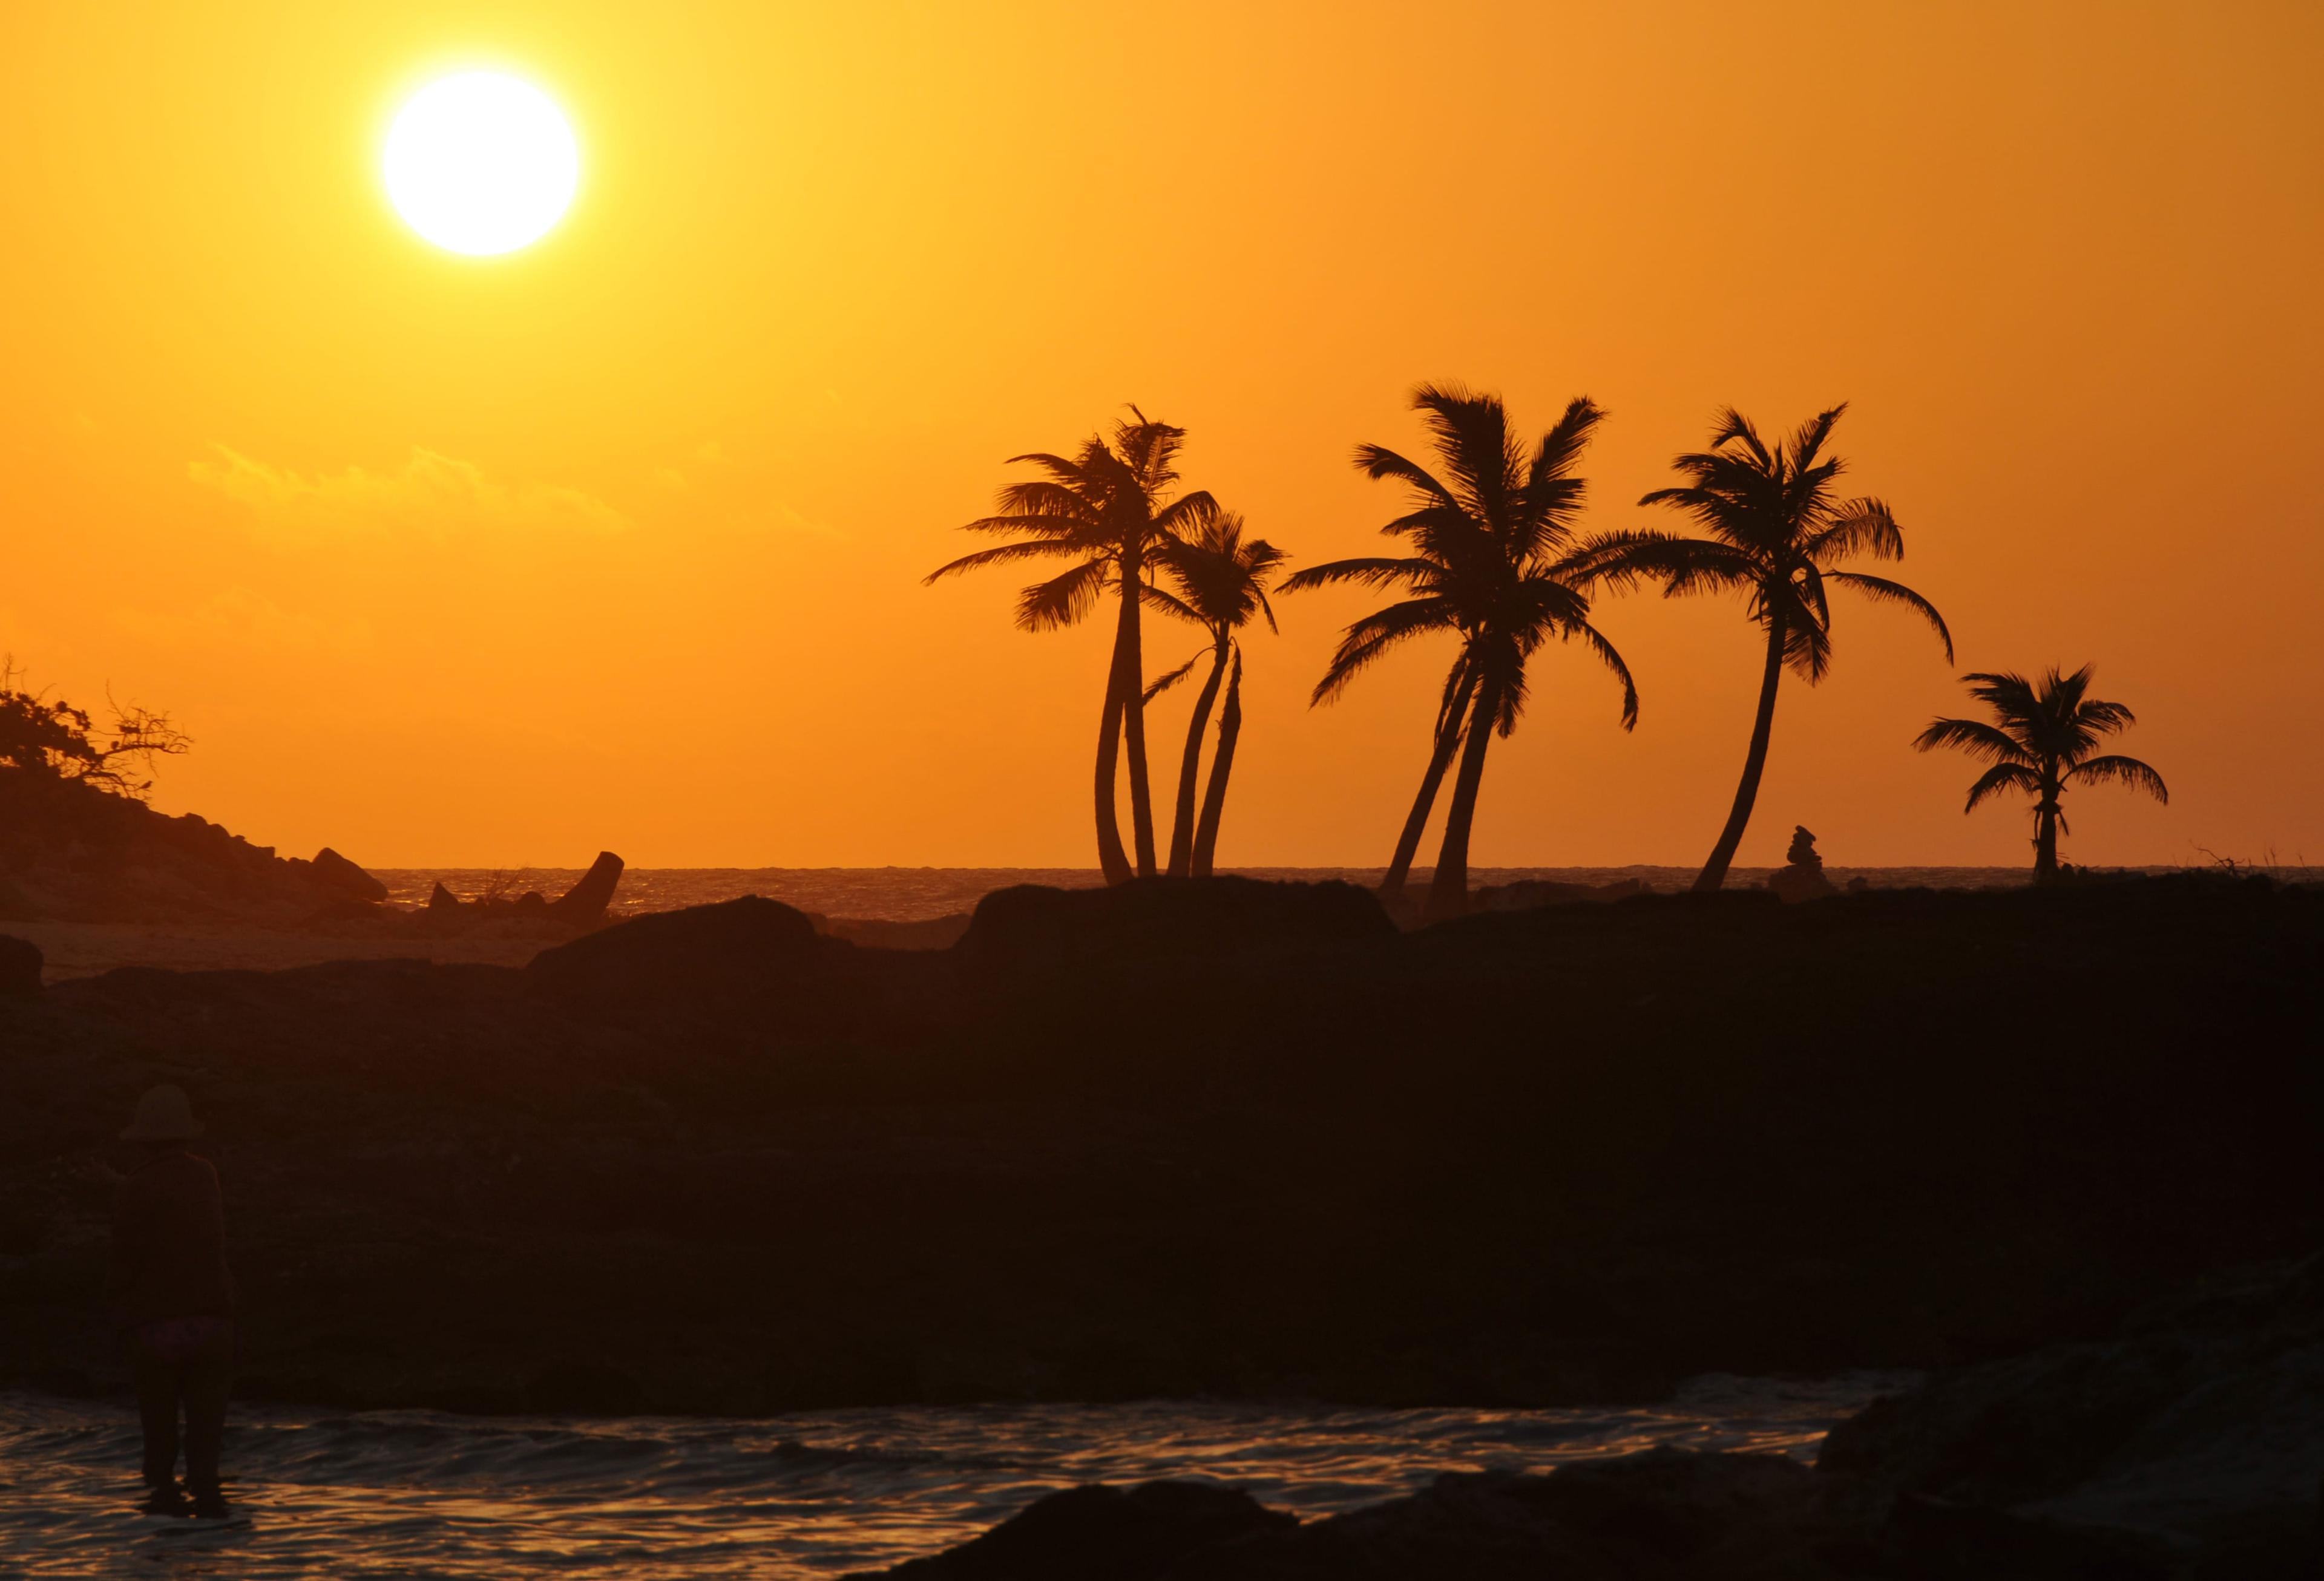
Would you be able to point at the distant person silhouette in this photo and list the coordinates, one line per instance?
(176, 1302)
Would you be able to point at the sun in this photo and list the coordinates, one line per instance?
(480, 163)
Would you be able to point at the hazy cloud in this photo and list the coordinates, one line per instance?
(431, 491)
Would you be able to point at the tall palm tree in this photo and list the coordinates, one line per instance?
(2044, 740)
(1489, 562)
(1106, 510)
(1220, 584)
(1778, 535)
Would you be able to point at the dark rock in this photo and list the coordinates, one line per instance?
(1534, 1158)
(19, 968)
(2198, 1428)
(76, 852)
(586, 901)
(1100, 1533)
(334, 871)
(678, 962)
(1033, 925)
(879, 933)
(442, 899)
(1664, 1513)
(1528, 892)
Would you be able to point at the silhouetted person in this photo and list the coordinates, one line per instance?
(177, 1302)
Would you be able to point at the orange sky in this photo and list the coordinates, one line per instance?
(617, 541)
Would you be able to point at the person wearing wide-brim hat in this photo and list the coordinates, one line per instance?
(177, 1301)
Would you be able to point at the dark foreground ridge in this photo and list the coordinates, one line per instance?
(1228, 1137)
(2189, 1444)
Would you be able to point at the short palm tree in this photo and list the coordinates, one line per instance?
(1489, 562)
(1106, 510)
(1778, 535)
(1220, 582)
(2044, 740)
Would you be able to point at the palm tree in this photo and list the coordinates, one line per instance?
(1778, 535)
(1221, 583)
(1105, 510)
(1489, 562)
(2043, 742)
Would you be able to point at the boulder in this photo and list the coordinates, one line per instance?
(1096, 1532)
(19, 968)
(586, 901)
(675, 963)
(442, 899)
(335, 872)
(1033, 925)
(1662, 1513)
(2195, 1432)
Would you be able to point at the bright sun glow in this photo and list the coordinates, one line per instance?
(480, 163)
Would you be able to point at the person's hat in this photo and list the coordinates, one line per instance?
(162, 1115)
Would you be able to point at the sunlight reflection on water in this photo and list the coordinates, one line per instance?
(811, 1494)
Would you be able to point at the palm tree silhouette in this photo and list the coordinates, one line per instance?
(2043, 742)
(1221, 583)
(1105, 509)
(1776, 533)
(1490, 563)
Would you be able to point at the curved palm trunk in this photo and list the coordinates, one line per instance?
(1448, 893)
(1416, 822)
(1755, 762)
(1190, 764)
(1215, 795)
(1129, 659)
(1112, 860)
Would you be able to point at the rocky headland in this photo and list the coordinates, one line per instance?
(74, 852)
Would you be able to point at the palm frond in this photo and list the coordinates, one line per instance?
(1068, 473)
(1038, 498)
(1187, 514)
(1064, 598)
(1163, 683)
(1734, 428)
(1475, 446)
(1597, 643)
(1381, 466)
(1985, 742)
(1169, 604)
(2000, 777)
(1366, 641)
(1808, 442)
(1881, 590)
(1369, 571)
(1683, 565)
(1857, 527)
(1001, 555)
(1552, 494)
(2117, 769)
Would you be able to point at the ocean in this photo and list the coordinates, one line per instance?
(422, 1493)
(917, 894)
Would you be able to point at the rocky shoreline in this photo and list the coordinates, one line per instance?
(1227, 1138)
(2188, 1444)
